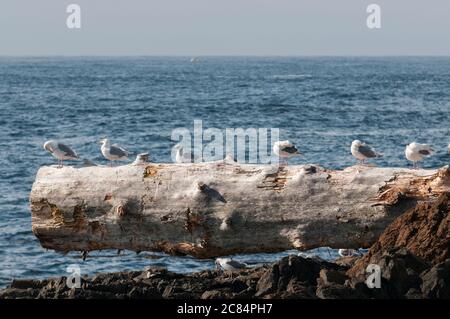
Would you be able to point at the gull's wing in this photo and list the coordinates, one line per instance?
(425, 152)
(116, 150)
(290, 149)
(367, 151)
(67, 150)
(236, 264)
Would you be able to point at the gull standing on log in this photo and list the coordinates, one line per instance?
(113, 152)
(361, 151)
(285, 150)
(181, 156)
(416, 152)
(60, 151)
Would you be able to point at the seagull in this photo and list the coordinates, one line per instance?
(361, 151)
(415, 152)
(348, 252)
(448, 148)
(60, 151)
(228, 264)
(285, 150)
(181, 156)
(113, 152)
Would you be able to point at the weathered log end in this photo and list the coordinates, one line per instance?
(212, 209)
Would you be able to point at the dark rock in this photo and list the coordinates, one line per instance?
(436, 281)
(25, 283)
(268, 282)
(347, 261)
(335, 291)
(330, 276)
(414, 293)
(424, 231)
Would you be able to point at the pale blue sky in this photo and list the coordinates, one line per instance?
(225, 27)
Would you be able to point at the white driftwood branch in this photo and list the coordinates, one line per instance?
(212, 209)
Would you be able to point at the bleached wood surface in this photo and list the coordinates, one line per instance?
(220, 208)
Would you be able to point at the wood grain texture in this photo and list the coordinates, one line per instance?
(220, 208)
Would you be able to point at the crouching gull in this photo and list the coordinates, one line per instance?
(416, 152)
(362, 151)
(113, 152)
(228, 264)
(348, 252)
(60, 151)
(285, 150)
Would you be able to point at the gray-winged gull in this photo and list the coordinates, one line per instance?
(113, 152)
(228, 265)
(285, 150)
(60, 151)
(416, 152)
(361, 151)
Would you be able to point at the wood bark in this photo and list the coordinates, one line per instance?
(220, 208)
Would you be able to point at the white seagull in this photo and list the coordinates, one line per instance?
(285, 150)
(448, 148)
(228, 264)
(361, 151)
(113, 152)
(181, 156)
(416, 152)
(348, 252)
(60, 151)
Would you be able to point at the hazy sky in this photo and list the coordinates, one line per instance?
(225, 27)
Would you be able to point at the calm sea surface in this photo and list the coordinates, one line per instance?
(320, 103)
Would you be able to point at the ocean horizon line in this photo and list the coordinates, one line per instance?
(221, 56)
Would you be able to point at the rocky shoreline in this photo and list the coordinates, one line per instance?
(412, 255)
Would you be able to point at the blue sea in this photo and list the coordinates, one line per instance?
(320, 103)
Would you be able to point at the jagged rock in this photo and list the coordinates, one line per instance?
(347, 261)
(335, 291)
(424, 231)
(214, 294)
(436, 281)
(328, 277)
(399, 273)
(292, 271)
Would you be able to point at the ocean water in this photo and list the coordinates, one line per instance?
(320, 103)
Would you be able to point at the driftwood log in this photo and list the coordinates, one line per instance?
(212, 209)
